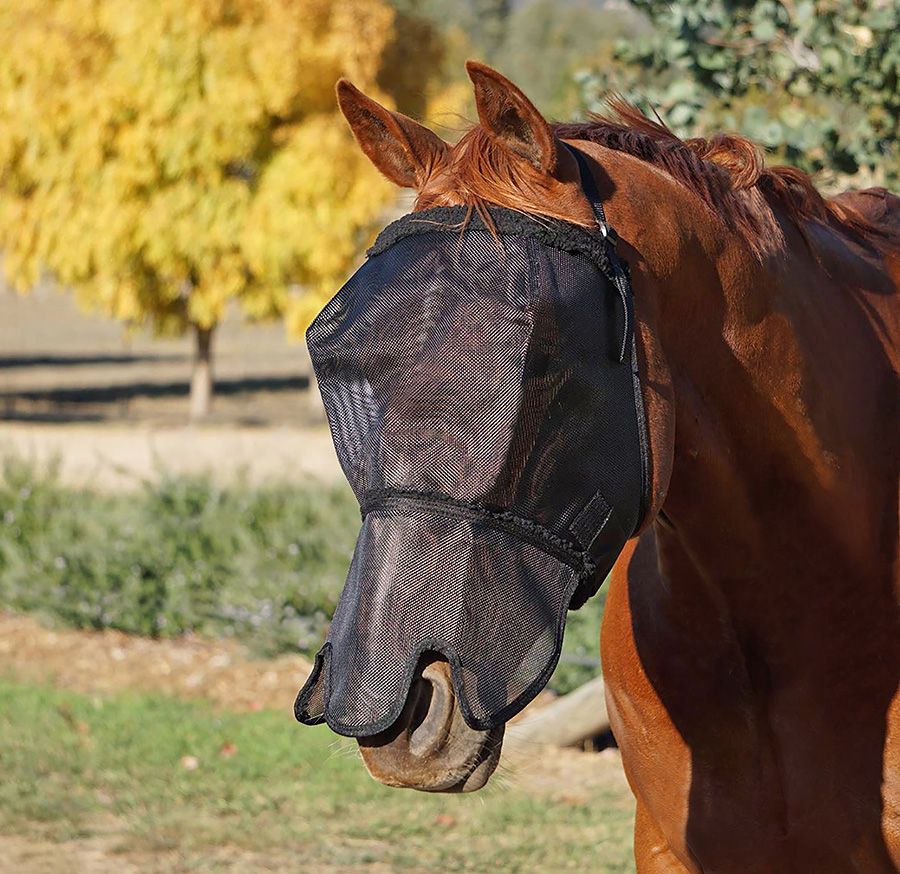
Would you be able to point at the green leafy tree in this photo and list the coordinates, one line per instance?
(166, 158)
(492, 17)
(815, 81)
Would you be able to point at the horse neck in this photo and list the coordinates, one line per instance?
(767, 462)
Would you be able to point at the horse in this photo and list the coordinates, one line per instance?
(750, 642)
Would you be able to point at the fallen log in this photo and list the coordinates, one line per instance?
(568, 721)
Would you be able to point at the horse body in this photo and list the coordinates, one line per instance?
(751, 645)
(750, 641)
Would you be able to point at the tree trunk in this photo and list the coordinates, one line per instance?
(202, 375)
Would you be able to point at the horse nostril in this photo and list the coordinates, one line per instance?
(432, 716)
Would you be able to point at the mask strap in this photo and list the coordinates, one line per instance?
(620, 275)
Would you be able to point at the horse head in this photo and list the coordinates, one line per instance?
(493, 319)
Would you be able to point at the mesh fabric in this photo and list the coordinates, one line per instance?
(484, 419)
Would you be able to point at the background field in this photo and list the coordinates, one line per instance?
(115, 515)
(122, 782)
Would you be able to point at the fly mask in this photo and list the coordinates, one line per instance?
(480, 379)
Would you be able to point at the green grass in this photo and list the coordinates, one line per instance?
(73, 764)
(264, 564)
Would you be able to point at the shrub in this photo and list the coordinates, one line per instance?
(264, 564)
(182, 554)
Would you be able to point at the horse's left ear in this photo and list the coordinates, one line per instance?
(508, 114)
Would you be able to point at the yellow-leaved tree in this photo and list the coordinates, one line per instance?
(164, 158)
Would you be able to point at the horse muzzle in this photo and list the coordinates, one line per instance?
(430, 747)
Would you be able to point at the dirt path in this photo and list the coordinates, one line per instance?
(100, 854)
(110, 661)
(120, 457)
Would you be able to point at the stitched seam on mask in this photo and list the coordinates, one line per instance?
(502, 520)
(301, 702)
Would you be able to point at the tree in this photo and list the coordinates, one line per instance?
(816, 81)
(165, 158)
(547, 40)
(491, 17)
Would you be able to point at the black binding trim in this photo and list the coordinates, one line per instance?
(507, 223)
(322, 674)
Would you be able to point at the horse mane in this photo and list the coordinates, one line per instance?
(719, 169)
(728, 172)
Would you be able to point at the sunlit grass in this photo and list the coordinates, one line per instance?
(168, 776)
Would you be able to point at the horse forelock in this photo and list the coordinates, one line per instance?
(480, 171)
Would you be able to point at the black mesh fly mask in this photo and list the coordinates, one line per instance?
(482, 391)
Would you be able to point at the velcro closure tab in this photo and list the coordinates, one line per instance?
(591, 520)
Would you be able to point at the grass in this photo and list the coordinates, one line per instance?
(264, 564)
(75, 766)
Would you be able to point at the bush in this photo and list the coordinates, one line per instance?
(580, 659)
(183, 554)
(264, 564)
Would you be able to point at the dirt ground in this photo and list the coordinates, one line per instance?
(120, 456)
(110, 661)
(101, 854)
(59, 364)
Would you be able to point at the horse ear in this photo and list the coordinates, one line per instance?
(402, 149)
(507, 113)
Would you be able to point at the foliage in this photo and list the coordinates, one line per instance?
(539, 44)
(580, 659)
(264, 564)
(267, 794)
(815, 81)
(165, 158)
(492, 17)
(547, 41)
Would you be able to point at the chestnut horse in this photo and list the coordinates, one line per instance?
(750, 644)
